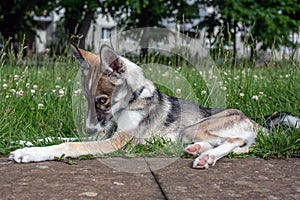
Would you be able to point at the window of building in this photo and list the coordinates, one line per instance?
(105, 35)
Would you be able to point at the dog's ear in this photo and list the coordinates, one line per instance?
(77, 53)
(110, 60)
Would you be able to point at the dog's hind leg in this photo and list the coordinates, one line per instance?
(210, 157)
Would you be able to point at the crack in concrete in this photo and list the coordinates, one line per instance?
(156, 180)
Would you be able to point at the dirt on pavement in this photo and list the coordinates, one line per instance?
(237, 178)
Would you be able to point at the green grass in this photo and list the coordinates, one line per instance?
(36, 102)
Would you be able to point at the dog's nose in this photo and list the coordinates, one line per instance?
(91, 130)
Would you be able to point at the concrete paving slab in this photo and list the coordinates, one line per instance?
(232, 179)
(105, 179)
(137, 164)
(89, 179)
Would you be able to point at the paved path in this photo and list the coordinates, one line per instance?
(157, 178)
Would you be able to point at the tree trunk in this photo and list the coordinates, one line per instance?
(144, 43)
(144, 23)
(253, 55)
(234, 44)
(83, 29)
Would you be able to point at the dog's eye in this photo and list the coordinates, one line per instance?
(101, 100)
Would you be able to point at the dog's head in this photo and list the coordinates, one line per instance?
(100, 75)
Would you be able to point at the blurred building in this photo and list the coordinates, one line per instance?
(101, 30)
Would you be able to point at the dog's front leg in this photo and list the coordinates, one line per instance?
(71, 149)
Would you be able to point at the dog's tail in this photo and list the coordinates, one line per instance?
(282, 118)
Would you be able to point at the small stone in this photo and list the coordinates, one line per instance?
(42, 166)
(117, 183)
(89, 194)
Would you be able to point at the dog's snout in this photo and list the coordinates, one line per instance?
(91, 130)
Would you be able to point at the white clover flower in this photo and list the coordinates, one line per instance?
(61, 92)
(203, 92)
(57, 87)
(224, 88)
(7, 96)
(40, 106)
(16, 77)
(255, 98)
(77, 92)
(260, 94)
(5, 86)
(255, 76)
(242, 94)
(27, 85)
(35, 87)
(53, 91)
(20, 93)
(165, 74)
(178, 91)
(13, 91)
(32, 91)
(236, 78)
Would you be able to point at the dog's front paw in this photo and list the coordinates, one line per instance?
(25, 155)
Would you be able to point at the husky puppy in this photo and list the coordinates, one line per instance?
(120, 98)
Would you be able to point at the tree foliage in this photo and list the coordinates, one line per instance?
(145, 13)
(78, 15)
(77, 18)
(16, 18)
(260, 21)
(274, 20)
(268, 22)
